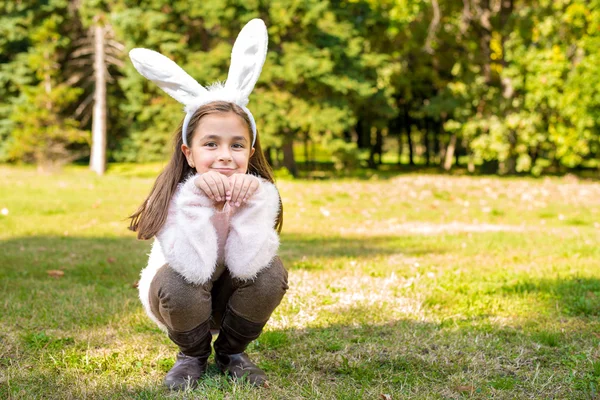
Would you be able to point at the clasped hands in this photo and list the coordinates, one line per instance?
(237, 188)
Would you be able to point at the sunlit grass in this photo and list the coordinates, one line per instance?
(417, 286)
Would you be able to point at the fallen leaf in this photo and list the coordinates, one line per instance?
(469, 389)
(135, 284)
(55, 273)
(110, 260)
(386, 397)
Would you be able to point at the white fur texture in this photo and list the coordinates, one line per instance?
(253, 242)
(188, 240)
(169, 76)
(247, 58)
(155, 261)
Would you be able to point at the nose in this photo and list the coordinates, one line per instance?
(225, 155)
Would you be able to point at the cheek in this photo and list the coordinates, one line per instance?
(241, 158)
(201, 157)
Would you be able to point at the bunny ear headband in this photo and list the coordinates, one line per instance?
(247, 59)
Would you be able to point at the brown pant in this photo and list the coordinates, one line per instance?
(182, 306)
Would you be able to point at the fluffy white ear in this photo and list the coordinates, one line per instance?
(247, 57)
(169, 76)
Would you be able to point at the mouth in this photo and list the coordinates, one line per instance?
(224, 171)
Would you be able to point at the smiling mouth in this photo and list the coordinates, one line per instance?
(224, 171)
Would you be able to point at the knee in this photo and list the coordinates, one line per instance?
(178, 302)
(273, 279)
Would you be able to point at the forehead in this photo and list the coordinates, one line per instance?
(222, 123)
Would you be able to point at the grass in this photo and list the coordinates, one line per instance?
(415, 286)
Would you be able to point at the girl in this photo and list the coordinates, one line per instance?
(215, 214)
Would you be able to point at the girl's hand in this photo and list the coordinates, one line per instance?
(243, 187)
(214, 185)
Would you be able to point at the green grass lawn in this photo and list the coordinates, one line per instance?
(417, 286)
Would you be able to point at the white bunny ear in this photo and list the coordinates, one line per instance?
(169, 76)
(247, 57)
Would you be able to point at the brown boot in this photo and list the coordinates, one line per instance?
(192, 359)
(235, 335)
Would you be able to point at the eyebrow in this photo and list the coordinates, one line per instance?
(217, 137)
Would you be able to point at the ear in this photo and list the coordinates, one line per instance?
(169, 76)
(252, 150)
(247, 57)
(187, 152)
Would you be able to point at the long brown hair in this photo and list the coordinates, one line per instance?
(152, 213)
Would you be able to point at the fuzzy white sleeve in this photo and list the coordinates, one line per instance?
(252, 241)
(188, 238)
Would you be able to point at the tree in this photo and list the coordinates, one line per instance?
(41, 132)
(95, 51)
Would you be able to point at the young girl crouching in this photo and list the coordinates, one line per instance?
(216, 215)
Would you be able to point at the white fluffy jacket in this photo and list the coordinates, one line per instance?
(188, 240)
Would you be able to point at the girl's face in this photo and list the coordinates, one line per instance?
(221, 143)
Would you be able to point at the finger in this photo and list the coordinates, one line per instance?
(237, 187)
(227, 185)
(212, 184)
(251, 189)
(230, 192)
(244, 191)
(201, 183)
(221, 186)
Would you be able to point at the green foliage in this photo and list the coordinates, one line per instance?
(40, 133)
(345, 156)
(536, 108)
(516, 86)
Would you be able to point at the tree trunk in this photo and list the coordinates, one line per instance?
(407, 128)
(400, 145)
(313, 156)
(457, 149)
(450, 153)
(268, 155)
(507, 7)
(306, 155)
(426, 142)
(436, 142)
(364, 134)
(441, 139)
(98, 156)
(376, 150)
(471, 164)
(288, 157)
(277, 158)
(379, 146)
(484, 29)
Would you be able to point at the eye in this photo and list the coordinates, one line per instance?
(237, 146)
(210, 144)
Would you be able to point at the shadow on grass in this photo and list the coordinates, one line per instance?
(117, 261)
(54, 282)
(573, 297)
(296, 247)
(344, 360)
(385, 171)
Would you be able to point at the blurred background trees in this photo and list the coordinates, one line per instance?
(499, 86)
